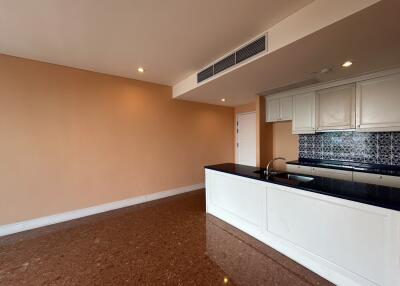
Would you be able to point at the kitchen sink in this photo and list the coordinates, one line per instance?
(294, 177)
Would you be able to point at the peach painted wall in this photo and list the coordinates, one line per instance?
(264, 135)
(285, 144)
(71, 139)
(245, 108)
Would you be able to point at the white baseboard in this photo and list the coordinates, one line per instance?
(66, 216)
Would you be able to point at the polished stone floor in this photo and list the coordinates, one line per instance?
(166, 242)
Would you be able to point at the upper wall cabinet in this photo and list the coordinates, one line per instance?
(304, 113)
(279, 109)
(335, 108)
(273, 109)
(378, 102)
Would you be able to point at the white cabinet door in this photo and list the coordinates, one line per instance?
(286, 105)
(335, 108)
(299, 169)
(378, 102)
(304, 113)
(321, 172)
(273, 110)
(368, 178)
(279, 109)
(333, 173)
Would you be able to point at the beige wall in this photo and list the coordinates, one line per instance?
(245, 108)
(264, 135)
(285, 144)
(72, 139)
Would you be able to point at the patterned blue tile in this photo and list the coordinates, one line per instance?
(396, 139)
(310, 142)
(396, 160)
(383, 148)
(328, 156)
(370, 158)
(395, 150)
(303, 154)
(384, 159)
(318, 155)
(337, 149)
(318, 142)
(326, 140)
(302, 139)
(326, 148)
(357, 158)
(371, 139)
(384, 139)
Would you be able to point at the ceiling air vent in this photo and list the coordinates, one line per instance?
(240, 55)
(250, 50)
(205, 74)
(224, 63)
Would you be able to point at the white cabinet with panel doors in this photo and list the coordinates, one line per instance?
(321, 172)
(299, 169)
(376, 179)
(378, 104)
(361, 177)
(279, 109)
(365, 103)
(304, 113)
(333, 173)
(335, 108)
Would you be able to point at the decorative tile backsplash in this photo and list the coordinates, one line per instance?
(363, 147)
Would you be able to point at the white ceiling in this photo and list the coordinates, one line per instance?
(170, 39)
(371, 38)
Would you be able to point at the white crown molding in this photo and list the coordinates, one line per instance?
(66, 216)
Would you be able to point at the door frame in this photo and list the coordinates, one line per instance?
(236, 132)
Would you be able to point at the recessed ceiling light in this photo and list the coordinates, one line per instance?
(223, 99)
(347, 64)
(140, 69)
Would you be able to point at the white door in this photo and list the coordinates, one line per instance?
(246, 139)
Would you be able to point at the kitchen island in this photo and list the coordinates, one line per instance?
(347, 232)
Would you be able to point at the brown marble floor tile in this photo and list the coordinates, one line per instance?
(166, 242)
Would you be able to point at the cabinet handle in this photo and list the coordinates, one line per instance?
(380, 177)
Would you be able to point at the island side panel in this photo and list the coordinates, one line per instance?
(237, 200)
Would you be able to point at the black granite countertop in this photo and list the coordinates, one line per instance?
(349, 166)
(381, 196)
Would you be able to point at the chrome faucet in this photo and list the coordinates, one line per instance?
(267, 172)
